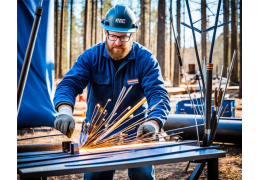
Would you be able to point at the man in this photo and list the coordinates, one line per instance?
(105, 69)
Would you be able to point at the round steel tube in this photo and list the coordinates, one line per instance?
(28, 56)
(229, 130)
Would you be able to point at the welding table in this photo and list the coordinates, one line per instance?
(40, 165)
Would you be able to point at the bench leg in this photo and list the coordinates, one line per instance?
(213, 169)
(197, 171)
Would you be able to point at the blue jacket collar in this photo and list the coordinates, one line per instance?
(130, 56)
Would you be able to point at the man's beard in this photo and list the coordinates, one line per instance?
(121, 53)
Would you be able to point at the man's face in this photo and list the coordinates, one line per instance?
(116, 49)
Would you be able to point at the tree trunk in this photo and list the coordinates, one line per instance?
(161, 36)
(225, 36)
(61, 38)
(234, 76)
(150, 12)
(96, 7)
(171, 62)
(92, 23)
(176, 74)
(203, 27)
(143, 23)
(101, 15)
(56, 40)
(86, 22)
(71, 12)
(240, 49)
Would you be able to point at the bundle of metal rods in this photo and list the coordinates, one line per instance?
(101, 130)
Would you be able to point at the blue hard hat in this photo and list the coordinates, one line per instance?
(120, 19)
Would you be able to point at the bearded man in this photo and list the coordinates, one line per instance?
(105, 69)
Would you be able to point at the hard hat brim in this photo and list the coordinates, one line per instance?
(122, 30)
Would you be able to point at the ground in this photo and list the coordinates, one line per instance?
(230, 167)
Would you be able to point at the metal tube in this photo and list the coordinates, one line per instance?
(214, 33)
(220, 79)
(229, 71)
(217, 27)
(28, 56)
(208, 105)
(228, 130)
(195, 45)
(197, 128)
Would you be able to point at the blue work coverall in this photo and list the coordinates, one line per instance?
(95, 70)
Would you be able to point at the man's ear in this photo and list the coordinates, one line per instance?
(105, 31)
(132, 35)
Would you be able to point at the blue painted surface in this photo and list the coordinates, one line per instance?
(36, 108)
(184, 107)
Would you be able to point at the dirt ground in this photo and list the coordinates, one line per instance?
(230, 167)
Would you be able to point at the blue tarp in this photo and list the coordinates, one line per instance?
(37, 102)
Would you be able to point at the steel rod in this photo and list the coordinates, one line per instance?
(220, 78)
(214, 33)
(28, 56)
(229, 71)
(195, 44)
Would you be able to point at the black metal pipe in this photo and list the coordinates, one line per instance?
(214, 33)
(195, 45)
(229, 130)
(216, 27)
(199, 31)
(28, 56)
(208, 105)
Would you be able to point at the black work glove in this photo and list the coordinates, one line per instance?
(147, 127)
(65, 124)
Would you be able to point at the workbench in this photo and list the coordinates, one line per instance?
(40, 165)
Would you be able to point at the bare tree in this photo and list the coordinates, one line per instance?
(143, 37)
(234, 77)
(240, 49)
(71, 12)
(203, 27)
(161, 36)
(96, 6)
(225, 36)
(61, 38)
(150, 12)
(101, 17)
(171, 73)
(176, 71)
(56, 39)
(92, 23)
(86, 23)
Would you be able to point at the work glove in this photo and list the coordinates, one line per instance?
(147, 127)
(65, 122)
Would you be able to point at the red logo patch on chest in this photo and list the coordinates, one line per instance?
(132, 81)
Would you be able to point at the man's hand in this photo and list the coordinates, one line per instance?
(64, 121)
(149, 127)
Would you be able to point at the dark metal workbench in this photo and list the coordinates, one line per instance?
(53, 163)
